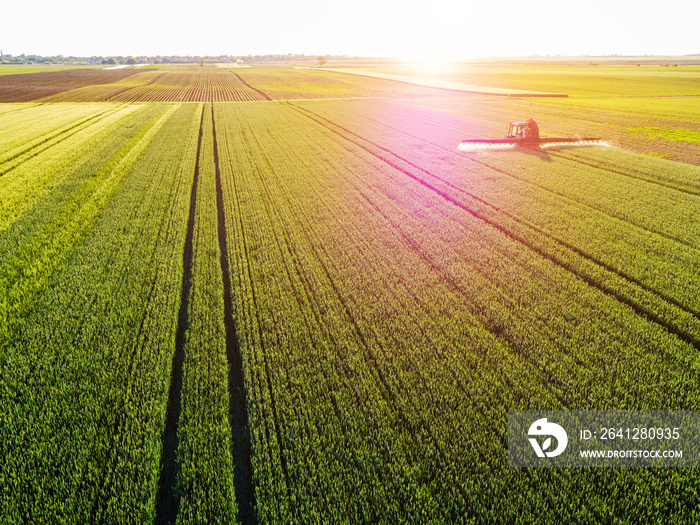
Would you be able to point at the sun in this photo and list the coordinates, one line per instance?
(436, 34)
(426, 64)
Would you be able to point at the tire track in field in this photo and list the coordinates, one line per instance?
(238, 409)
(558, 259)
(33, 265)
(62, 135)
(168, 501)
(488, 324)
(260, 92)
(663, 184)
(246, 262)
(35, 105)
(24, 148)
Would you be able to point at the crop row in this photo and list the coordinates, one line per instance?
(198, 85)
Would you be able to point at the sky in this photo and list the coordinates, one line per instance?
(408, 29)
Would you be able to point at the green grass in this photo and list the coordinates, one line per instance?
(673, 135)
(678, 108)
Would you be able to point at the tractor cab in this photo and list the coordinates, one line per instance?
(523, 130)
(516, 130)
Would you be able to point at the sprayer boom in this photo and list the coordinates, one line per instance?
(525, 134)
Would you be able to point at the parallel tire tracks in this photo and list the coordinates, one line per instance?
(168, 501)
(238, 410)
(552, 249)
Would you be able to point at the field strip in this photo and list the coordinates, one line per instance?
(238, 411)
(40, 145)
(444, 84)
(132, 156)
(253, 332)
(121, 287)
(52, 248)
(680, 320)
(23, 187)
(302, 204)
(167, 502)
(263, 167)
(17, 130)
(308, 222)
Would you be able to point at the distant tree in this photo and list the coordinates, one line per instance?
(201, 62)
(131, 61)
(321, 60)
(111, 61)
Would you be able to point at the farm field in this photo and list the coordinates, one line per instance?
(194, 84)
(650, 110)
(575, 79)
(225, 300)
